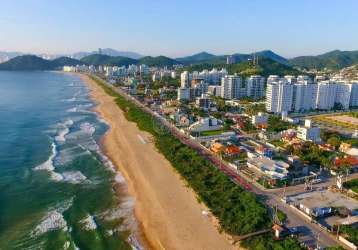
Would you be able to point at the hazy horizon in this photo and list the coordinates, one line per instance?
(179, 28)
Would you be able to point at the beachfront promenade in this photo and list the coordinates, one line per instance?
(313, 234)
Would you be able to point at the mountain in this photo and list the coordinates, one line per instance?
(5, 56)
(27, 62)
(108, 52)
(271, 55)
(62, 61)
(201, 57)
(205, 57)
(159, 61)
(332, 60)
(99, 59)
(245, 68)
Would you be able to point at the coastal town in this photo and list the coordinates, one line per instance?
(292, 139)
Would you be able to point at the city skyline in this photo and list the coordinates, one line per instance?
(289, 29)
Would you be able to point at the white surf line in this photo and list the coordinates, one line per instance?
(141, 139)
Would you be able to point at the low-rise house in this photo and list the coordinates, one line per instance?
(308, 132)
(348, 149)
(277, 170)
(267, 152)
(206, 124)
(217, 148)
(260, 120)
(232, 150)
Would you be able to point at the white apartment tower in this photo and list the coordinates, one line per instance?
(185, 79)
(304, 96)
(279, 97)
(326, 95)
(255, 86)
(354, 95)
(231, 87)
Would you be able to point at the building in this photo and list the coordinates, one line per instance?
(259, 120)
(326, 95)
(173, 74)
(279, 96)
(183, 94)
(144, 69)
(155, 76)
(232, 87)
(308, 132)
(214, 90)
(277, 170)
(185, 79)
(304, 96)
(255, 86)
(204, 102)
(343, 94)
(206, 124)
(354, 95)
(230, 59)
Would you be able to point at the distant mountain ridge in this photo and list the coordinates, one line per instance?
(205, 57)
(99, 59)
(108, 52)
(335, 60)
(31, 62)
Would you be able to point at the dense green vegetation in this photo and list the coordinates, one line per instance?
(30, 62)
(352, 184)
(332, 60)
(353, 114)
(159, 61)
(276, 124)
(266, 242)
(265, 68)
(350, 233)
(97, 59)
(310, 153)
(166, 81)
(239, 212)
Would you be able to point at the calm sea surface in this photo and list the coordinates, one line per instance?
(57, 190)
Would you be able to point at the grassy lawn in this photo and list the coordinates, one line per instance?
(212, 132)
(353, 184)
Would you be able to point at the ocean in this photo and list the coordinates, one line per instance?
(57, 189)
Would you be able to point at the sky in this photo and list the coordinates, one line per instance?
(179, 27)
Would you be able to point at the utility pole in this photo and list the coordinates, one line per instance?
(317, 239)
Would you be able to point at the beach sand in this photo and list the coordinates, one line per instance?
(169, 214)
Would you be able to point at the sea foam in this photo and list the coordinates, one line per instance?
(52, 221)
(89, 223)
(48, 164)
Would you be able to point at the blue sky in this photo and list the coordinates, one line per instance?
(179, 27)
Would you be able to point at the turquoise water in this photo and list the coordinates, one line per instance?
(57, 191)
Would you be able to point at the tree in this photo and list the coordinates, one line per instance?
(334, 141)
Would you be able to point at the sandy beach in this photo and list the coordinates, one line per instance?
(169, 214)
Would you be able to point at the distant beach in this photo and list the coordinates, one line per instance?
(169, 214)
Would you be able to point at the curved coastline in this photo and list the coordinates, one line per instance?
(169, 214)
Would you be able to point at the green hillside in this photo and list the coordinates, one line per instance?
(27, 62)
(159, 61)
(265, 68)
(332, 60)
(62, 61)
(97, 59)
(206, 58)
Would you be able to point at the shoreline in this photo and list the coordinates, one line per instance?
(167, 211)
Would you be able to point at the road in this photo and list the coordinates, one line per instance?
(272, 197)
